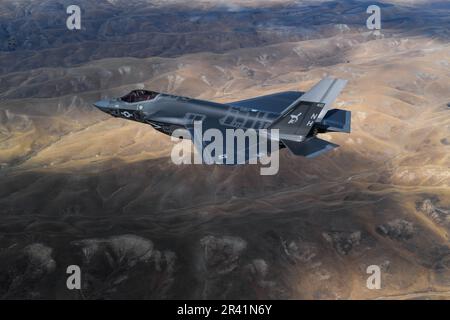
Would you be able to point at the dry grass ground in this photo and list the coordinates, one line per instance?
(80, 187)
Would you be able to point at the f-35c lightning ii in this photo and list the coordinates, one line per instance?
(299, 116)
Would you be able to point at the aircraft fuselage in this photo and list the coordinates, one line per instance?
(166, 113)
(295, 118)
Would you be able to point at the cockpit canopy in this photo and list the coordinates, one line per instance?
(139, 95)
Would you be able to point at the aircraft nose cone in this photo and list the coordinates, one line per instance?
(102, 104)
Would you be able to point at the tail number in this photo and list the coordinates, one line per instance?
(311, 122)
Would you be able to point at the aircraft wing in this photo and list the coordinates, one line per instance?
(325, 92)
(275, 103)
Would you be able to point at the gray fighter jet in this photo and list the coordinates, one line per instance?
(299, 116)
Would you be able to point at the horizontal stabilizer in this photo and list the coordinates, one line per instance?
(309, 148)
(337, 120)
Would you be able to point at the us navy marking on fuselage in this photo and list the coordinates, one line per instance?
(126, 114)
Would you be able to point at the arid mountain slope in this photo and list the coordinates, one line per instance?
(79, 187)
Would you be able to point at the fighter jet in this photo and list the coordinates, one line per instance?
(298, 116)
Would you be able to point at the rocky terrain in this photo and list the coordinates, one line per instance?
(79, 187)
